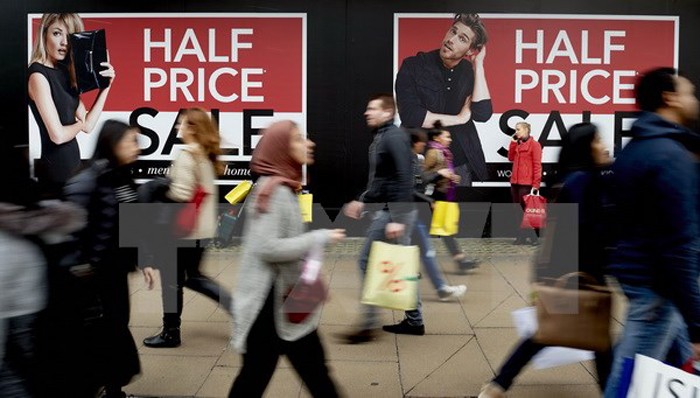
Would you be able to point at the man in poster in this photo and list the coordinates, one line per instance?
(449, 84)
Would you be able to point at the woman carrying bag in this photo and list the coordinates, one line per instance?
(579, 180)
(441, 182)
(192, 174)
(526, 154)
(274, 241)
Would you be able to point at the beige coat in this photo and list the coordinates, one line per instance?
(189, 169)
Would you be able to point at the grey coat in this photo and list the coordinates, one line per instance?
(274, 245)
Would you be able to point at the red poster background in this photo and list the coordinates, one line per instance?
(648, 44)
(277, 48)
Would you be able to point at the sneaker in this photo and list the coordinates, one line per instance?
(404, 328)
(359, 336)
(448, 292)
(492, 390)
(520, 241)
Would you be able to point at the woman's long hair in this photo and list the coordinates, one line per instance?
(73, 23)
(112, 132)
(576, 152)
(206, 134)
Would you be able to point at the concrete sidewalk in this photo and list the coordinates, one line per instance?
(465, 340)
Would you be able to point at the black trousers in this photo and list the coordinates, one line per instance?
(187, 274)
(528, 349)
(119, 357)
(264, 348)
(17, 369)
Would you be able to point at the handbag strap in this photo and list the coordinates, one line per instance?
(562, 281)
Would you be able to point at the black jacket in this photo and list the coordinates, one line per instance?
(99, 189)
(392, 181)
(421, 87)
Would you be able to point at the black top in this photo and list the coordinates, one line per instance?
(100, 189)
(391, 170)
(424, 84)
(58, 161)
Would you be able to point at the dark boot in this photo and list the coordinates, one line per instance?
(167, 338)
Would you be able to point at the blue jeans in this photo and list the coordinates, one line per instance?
(653, 328)
(376, 231)
(427, 256)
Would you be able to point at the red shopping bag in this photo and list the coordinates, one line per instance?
(186, 217)
(535, 212)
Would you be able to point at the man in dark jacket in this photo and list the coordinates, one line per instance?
(442, 85)
(390, 182)
(656, 190)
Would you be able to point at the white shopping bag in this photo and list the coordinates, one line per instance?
(525, 320)
(655, 379)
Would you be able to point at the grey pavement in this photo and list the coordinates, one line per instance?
(466, 340)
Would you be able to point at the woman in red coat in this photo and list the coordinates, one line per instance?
(526, 154)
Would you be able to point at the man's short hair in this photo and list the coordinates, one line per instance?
(473, 21)
(386, 99)
(651, 86)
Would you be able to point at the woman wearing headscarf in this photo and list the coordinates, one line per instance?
(274, 241)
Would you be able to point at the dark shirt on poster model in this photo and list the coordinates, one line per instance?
(424, 84)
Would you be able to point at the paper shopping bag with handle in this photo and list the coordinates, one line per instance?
(535, 214)
(445, 221)
(391, 280)
(239, 193)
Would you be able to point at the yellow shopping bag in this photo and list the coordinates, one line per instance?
(306, 201)
(445, 220)
(391, 280)
(239, 193)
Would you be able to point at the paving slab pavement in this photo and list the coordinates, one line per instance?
(465, 341)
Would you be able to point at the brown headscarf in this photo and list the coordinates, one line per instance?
(272, 158)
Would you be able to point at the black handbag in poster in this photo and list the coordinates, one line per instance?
(89, 49)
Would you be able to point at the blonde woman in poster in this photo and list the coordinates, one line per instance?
(55, 101)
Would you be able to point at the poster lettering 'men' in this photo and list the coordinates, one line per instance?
(566, 85)
(197, 85)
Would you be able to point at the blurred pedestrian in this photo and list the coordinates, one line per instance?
(390, 183)
(100, 189)
(441, 184)
(195, 167)
(656, 261)
(273, 242)
(419, 140)
(23, 272)
(582, 159)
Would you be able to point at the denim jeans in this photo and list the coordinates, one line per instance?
(427, 256)
(376, 231)
(653, 328)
